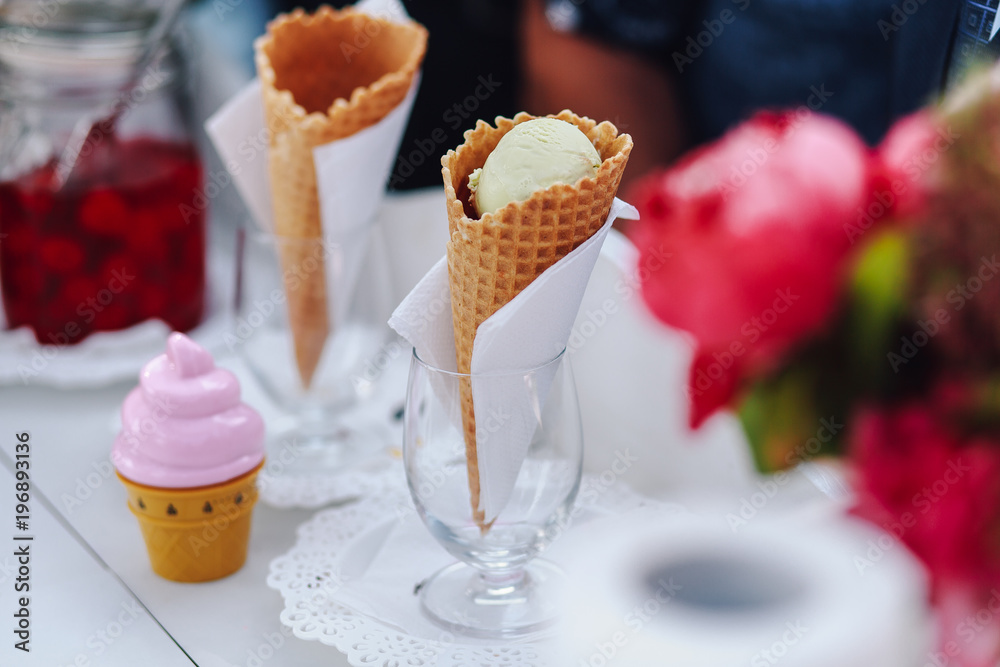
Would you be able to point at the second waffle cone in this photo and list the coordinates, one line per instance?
(492, 258)
(324, 76)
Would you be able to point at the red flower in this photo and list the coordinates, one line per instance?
(756, 229)
(940, 495)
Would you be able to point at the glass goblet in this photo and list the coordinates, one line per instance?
(498, 589)
(310, 318)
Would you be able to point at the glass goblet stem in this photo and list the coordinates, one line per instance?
(503, 582)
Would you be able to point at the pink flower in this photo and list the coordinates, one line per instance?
(756, 226)
(939, 493)
(910, 156)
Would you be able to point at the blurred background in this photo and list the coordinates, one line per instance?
(673, 73)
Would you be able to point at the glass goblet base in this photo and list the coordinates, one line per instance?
(305, 448)
(469, 602)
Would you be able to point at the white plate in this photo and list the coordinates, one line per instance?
(106, 357)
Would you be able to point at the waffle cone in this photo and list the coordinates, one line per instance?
(323, 77)
(491, 259)
(196, 534)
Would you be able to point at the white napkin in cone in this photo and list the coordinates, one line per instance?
(351, 173)
(528, 331)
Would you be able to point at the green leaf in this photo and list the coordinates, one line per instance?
(880, 285)
(779, 415)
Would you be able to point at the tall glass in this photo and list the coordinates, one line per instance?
(498, 589)
(347, 324)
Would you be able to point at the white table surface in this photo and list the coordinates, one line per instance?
(89, 560)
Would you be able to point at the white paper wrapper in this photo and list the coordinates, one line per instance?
(351, 173)
(239, 133)
(525, 333)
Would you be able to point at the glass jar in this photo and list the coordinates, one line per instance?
(118, 235)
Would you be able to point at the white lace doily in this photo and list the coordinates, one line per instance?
(309, 575)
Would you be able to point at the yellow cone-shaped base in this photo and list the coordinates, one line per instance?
(196, 534)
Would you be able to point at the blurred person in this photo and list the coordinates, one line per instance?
(678, 73)
(604, 79)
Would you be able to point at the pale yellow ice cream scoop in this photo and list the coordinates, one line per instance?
(533, 155)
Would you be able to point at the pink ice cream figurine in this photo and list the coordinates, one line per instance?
(188, 454)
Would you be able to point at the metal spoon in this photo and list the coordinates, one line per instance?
(85, 128)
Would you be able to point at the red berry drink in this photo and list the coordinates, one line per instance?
(121, 242)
